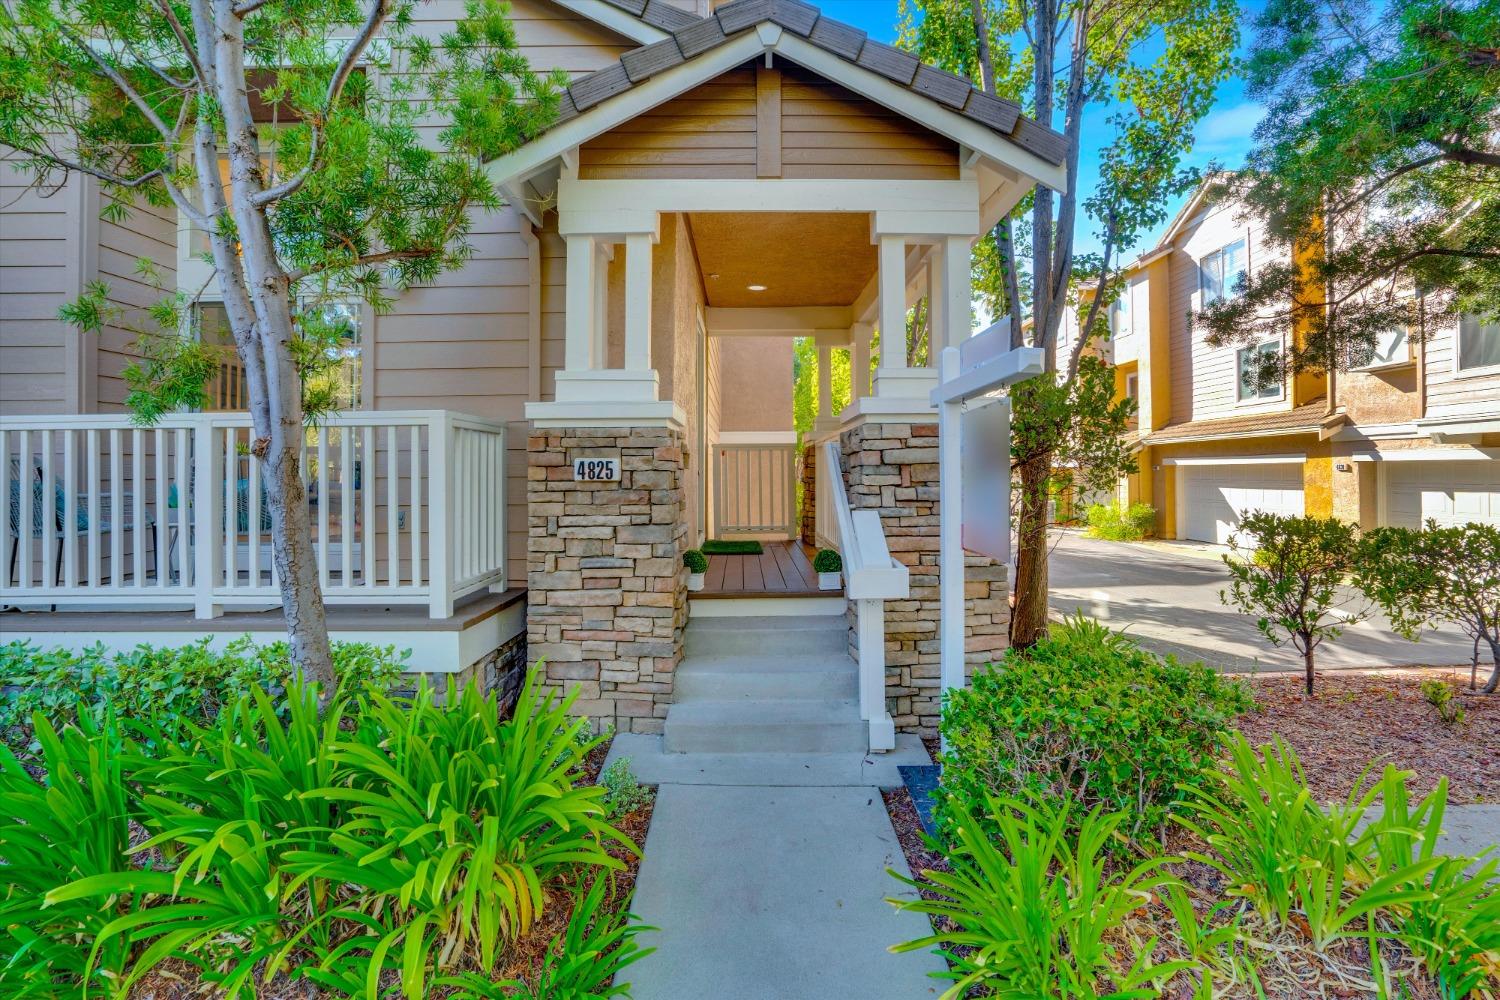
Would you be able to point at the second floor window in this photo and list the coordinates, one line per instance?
(1393, 347)
(1248, 364)
(1221, 272)
(1478, 343)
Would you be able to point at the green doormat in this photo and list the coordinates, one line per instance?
(719, 547)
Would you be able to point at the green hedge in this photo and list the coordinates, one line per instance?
(1086, 713)
(167, 684)
(1121, 524)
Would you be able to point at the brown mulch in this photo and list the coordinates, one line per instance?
(521, 958)
(1355, 717)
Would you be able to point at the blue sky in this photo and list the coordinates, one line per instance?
(1223, 136)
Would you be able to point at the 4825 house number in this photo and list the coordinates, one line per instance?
(596, 470)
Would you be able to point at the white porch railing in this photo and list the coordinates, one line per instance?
(407, 507)
(755, 489)
(871, 578)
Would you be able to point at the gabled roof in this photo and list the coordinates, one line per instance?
(694, 37)
(642, 20)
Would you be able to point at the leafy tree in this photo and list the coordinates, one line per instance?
(1423, 579)
(1290, 573)
(1377, 167)
(360, 189)
(1156, 65)
(805, 383)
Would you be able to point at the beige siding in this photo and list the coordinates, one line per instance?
(1203, 377)
(146, 233)
(1451, 392)
(824, 131)
(39, 271)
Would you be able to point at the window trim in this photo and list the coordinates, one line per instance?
(1407, 362)
(1256, 400)
(1227, 294)
(1459, 372)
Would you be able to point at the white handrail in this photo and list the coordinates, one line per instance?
(408, 508)
(872, 577)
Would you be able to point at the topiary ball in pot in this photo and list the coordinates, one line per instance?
(828, 565)
(697, 565)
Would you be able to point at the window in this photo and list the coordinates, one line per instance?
(1220, 273)
(1478, 343)
(1119, 315)
(1393, 347)
(228, 391)
(341, 320)
(1250, 364)
(1132, 386)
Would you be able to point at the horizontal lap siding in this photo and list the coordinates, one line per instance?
(707, 132)
(1448, 391)
(38, 273)
(828, 131)
(148, 233)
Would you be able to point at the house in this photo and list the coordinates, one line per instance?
(533, 441)
(1414, 434)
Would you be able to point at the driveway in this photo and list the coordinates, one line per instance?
(1167, 596)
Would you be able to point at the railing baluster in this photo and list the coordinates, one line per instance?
(70, 512)
(367, 488)
(416, 505)
(25, 476)
(251, 503)
(184, 510)
(138, 505)
(21, 527)
(93, 537)
(229, 516)
(163, 512)
(392, 502)
(321, 433)
(117, 513)
(346, 507)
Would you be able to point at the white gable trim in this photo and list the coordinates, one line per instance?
(535, 156)
(614, 19)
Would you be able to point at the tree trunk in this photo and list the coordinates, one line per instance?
(1028, 619)
(1307, 661)
(1493, 684)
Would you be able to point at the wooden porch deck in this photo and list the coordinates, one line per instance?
(784, 569)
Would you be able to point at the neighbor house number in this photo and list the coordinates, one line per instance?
(596, 470)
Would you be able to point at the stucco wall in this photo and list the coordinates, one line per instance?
(757, 376)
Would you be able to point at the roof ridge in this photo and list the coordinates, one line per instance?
(694, 36)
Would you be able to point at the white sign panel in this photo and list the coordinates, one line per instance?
(596, 470)
(985, 450)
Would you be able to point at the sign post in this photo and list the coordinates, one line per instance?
(973, 471)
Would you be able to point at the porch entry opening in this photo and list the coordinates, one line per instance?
(755, 490)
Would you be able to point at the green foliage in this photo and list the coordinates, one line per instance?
(382, 835)
(1089, 715)
(805, 382)
(695, 561)
(1440, 576)
(1381, 146)
(1290, 572)
(1079, 423)
(1029, 906)
(623, 794)
(828, 561)
(1439, 694)
(169, 686)
(1118, 523)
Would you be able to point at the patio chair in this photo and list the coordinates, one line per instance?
(59, 514)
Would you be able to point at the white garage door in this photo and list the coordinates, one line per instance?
(1448, 492)
(1216, 497)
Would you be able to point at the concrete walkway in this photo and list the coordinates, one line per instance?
(775, 893)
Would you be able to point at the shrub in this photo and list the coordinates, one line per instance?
(1115, 523)
(1292, 579)
(170, 684)
(623, 794)
(1086, 713)
(827, 561)
(695, 561)
(1439, 694)
(1423, 579)
(1029, 910)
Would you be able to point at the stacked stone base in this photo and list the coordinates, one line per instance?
(892, 468)
(808, 527)
(607, 591)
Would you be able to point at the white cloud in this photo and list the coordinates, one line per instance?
(1225, 132)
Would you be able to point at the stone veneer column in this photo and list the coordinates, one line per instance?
(892, 468)
(809, 525)
(607, 592)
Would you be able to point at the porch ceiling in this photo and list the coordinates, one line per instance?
(802, 258)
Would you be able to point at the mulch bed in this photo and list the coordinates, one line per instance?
(1354, 718)
(178, 981)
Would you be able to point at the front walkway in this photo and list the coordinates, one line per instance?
(775, 893)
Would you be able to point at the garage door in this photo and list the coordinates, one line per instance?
(1448, 492)
(1216, 497)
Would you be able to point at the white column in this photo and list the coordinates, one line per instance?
(599, 344)
(892, 259)
(638, 302)
(861, 334)
(957, 294)
(578, 317)
(937, 313)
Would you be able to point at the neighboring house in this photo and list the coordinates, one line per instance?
(534, 440)
(1412, 435)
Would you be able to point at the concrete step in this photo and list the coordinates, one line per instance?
(765, 726)
(767, 636)
(759, 677)
(652, 765)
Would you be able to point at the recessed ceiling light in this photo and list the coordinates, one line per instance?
(756, 288)
(713, 276)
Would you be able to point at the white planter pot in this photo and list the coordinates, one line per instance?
(830, 581)
(695, 581)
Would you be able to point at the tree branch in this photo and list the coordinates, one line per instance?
(165, 6)
(103, 175)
